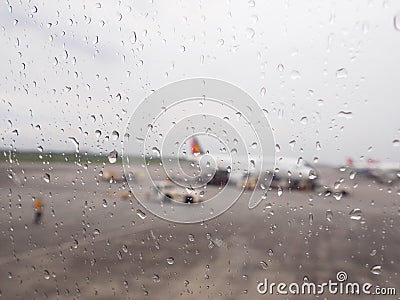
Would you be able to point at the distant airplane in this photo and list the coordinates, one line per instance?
(288, 171)
(384, 172)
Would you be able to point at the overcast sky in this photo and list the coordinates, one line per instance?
(329, 69)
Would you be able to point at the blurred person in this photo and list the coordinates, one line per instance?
(38, 208)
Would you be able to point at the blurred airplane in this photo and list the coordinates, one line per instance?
(384, 172)
(288, 172)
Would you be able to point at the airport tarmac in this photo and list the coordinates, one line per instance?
(94, 245)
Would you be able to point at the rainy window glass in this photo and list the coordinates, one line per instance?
(199, 149)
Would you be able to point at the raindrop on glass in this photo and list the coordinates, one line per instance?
(170, 260)
(141, 214)
(115, 135)
(396, 21)
(329, 215)
(46, 275)
(341, 73)
(46, 177)
(113, 156)
(356, 214)
(264, 265)
(376, 270)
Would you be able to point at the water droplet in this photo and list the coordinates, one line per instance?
(170, 260)
(191, 237)
(156, 278)
(396, 143)
(46, 177)
(280, 191)
(251, 3)
(396, 21)
(76, 144)
(105, 204)
(352, 175)
(125, 248)
(304, 120)
(263, 91)
(295, 74)
(141, 214)
(312, 174)
(252, 164)
(97, 133)
(356, 214)
(264, 265)
(376, 270)
(345, 114)
(250, 33)
(126, 284)
(157, 151)
(318, 146)
(310, 219)
(281, 68)
(96, 231)
(341, 73)
(113, 156)
(46, 274)
(133, 37)
(338, 195)
(115, 135)
(75, 244)
(329, 215)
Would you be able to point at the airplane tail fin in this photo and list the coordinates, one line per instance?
(196, 148)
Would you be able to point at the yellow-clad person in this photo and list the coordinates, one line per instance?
(38, 207)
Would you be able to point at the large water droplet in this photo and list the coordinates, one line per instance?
(170, 260)
(341, 73)
(97, 133)
(329, 215)
(310, 219)
(345, 114)
(263, 91)
(312, 174)
(46, 177)
(356, 214)
(250, 33)
(76, 144)
(376, 270)
(396, 21)
(156, 151)
(113, 156)
(295, 74)
(141, 214)
(115, 135)
(46, 274)
(264, 265)
(396, 143)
